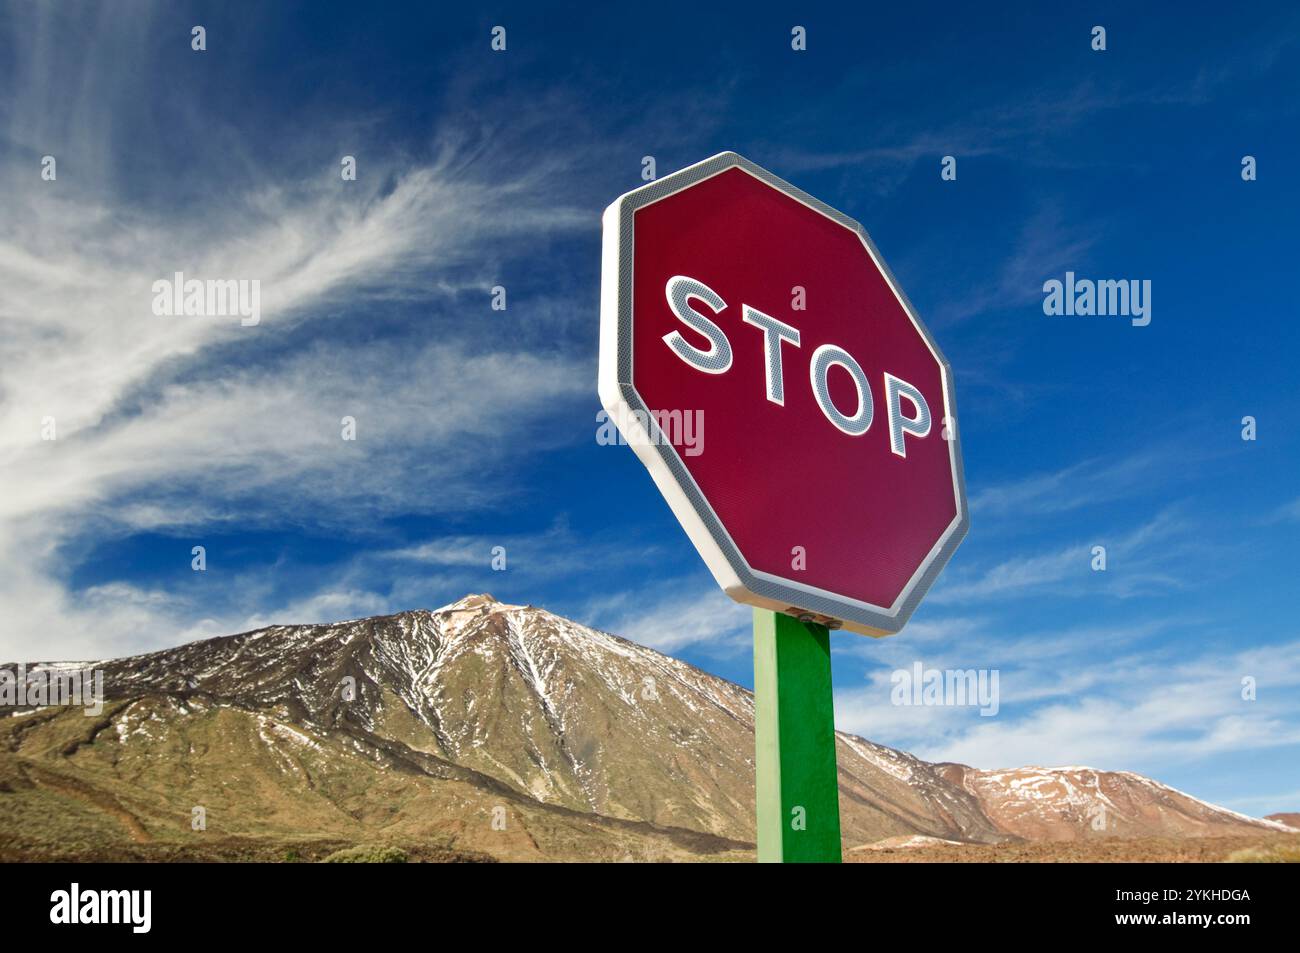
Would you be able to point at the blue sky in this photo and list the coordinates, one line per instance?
(476, 428)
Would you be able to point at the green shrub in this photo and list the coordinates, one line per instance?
(367, 854)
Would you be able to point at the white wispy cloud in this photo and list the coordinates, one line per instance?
(1148, 557)
(676, 614)
(1289, 511)
(181, 424)
(1046, 246)
(1111, 704)
(1084, 483)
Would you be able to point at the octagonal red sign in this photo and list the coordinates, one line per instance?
(761, 359)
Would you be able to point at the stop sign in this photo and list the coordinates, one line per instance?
(796, 414)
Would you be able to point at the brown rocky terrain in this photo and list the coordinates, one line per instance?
(1266, 847)
(1076, 803)
(483, 731)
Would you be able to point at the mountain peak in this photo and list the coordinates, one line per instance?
(474, 600)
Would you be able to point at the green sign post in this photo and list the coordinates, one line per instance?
(796, 782)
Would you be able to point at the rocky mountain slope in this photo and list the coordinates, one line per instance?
(478, 730)
(1056, 804)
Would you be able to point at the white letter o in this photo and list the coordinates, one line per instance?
(819, 369)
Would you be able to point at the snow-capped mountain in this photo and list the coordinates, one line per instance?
(482, 729)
